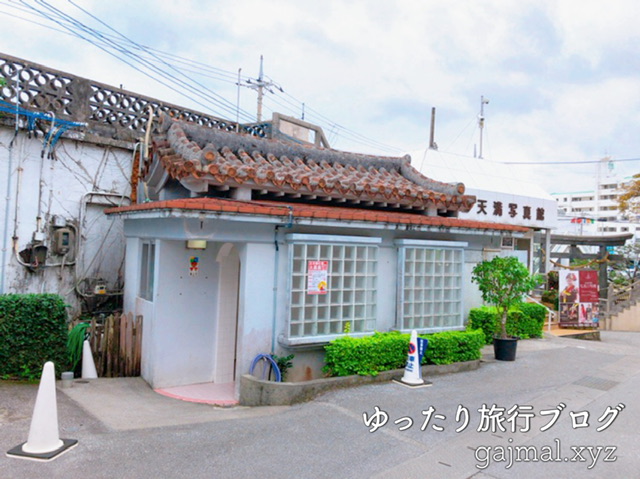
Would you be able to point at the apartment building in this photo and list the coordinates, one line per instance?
(594, 212)
(600, 204)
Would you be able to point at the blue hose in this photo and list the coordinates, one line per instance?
(268, 359)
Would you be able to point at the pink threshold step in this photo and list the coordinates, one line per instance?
(220, 394)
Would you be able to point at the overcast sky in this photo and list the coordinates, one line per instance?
(562, 78)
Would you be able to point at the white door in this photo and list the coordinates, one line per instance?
(227, 317)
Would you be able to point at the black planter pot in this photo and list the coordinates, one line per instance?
(505, 349)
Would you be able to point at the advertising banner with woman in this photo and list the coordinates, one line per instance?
(579, 298)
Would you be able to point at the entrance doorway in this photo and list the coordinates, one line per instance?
(225, 342)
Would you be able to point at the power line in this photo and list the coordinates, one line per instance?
(208, 93)
(540, 163)
(80, 30)
(191, 66)
(199, 89)
(213, 72)
(460, 134)
(120, 47)
(579, 162)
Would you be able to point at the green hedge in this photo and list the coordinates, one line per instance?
(453, 347)
(485, 319)
(369, 355)
(33, 330)
(525, 320)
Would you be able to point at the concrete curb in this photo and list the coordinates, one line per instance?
(256, 392)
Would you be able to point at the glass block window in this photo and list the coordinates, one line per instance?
(430, 289)
(349, 300)
(147, 270)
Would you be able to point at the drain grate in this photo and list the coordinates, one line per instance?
(596, 383)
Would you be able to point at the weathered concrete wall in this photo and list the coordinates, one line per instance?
(42, 195)
(255, 392)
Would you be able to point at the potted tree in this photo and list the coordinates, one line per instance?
(502, 283)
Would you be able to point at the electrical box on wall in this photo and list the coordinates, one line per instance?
(58, 221)
(34, 256)
(100, 287)
(62, 241)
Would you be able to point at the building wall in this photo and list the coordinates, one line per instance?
(602, 203)
(34, 186)
(182, 324)
(179, 339)
(256, 305)
(140, 306)
(309, 360)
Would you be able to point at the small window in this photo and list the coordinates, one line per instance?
(147, 269)
(430, 288)
(333, 287)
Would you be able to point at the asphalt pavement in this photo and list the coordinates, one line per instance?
(565, 408)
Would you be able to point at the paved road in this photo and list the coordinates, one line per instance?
(127, 431)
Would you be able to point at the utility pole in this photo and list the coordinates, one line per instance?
(259, 84)
(483, 102)
(432, 131)
(238, 103)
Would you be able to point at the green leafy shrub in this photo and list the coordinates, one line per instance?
(453, 347)
(532, 322)
(75, 344)
(525, 320)
(484, 318)
(33, 330)
(502, 283)
(369, 355)
(550, 296)
(515, 318)
(284, 364)
(366, 356)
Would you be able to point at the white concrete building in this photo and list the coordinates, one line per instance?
(236, 244)
(595, 212)
(599, 204)
(298, 245)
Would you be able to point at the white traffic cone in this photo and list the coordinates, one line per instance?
(88, 366)
(44, 442)
(412, 372)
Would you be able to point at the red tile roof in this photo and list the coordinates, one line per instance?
(299, 210)
(225, 159)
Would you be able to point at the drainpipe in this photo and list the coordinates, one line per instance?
(276, 264)
(15, 217)
(7, 208)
